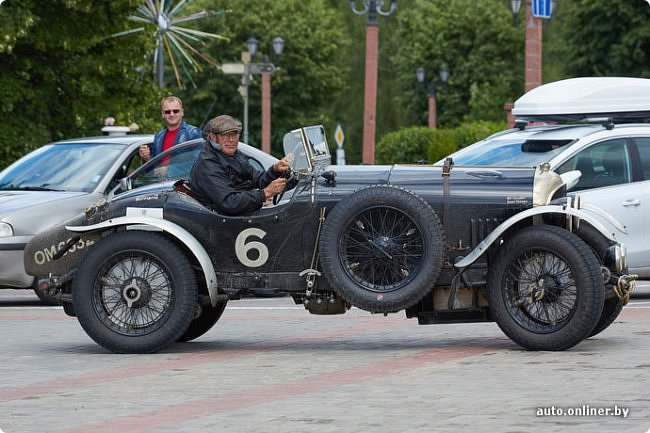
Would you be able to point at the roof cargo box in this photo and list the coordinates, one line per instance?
(581, 99)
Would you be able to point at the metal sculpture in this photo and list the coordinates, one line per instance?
(172, 37)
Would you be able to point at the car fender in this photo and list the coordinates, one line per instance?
(159, 224)
(539, 210)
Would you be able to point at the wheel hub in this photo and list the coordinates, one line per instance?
(136, 292)
(383, 246)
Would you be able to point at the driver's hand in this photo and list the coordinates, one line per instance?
(275, 187)
(283, 165)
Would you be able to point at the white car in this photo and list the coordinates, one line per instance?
(586, 127)
(52, 184)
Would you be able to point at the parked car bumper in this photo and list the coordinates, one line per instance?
(12, 268)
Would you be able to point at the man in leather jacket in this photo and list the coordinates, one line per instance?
(224, 180)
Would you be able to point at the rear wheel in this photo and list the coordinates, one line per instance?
(611, 310)
(545, 287)
(135, 292)
(206, 317)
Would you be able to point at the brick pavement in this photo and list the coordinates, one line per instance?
(268, 366)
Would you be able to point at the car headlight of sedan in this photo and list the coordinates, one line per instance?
(6, 230)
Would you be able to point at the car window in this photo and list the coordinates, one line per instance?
(129, 165)
(643, 145)
(603, 164)
(62, 167)
(508, 152)
(175, 165)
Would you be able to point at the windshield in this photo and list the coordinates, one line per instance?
(500, 152)
(307, 146)
(61, 167)
(294, 145)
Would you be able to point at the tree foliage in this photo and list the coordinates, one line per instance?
(60, 76)
(308, 77)
(476, 41)
(605, 38)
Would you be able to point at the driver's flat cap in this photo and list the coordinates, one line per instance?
(224, 124)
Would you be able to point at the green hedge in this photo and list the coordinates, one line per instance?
(414, 144)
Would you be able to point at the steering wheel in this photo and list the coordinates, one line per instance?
(289, 175)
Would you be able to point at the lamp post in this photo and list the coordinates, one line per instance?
(372, 8)
(533, 43)
(420, 74)
(265, 69)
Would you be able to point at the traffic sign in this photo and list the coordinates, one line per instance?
(260, 68)
(339, 136)
(542, 8)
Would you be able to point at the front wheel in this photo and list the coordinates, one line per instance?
(135, 292)
(545, 288)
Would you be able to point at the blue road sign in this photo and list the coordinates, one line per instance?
(542, 8)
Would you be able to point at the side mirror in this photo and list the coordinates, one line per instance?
(125, 183)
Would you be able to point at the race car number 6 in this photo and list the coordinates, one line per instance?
(242, 248)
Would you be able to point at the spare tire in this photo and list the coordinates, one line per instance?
(382, 248)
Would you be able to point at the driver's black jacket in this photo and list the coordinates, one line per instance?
(228, 184)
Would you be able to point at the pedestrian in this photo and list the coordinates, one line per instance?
(223, 179)
(176, 131)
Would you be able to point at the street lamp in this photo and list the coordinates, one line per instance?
(420, 74)
(265, 69)
(372, 8)
(515, 6)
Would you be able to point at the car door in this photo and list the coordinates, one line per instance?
(613, 181)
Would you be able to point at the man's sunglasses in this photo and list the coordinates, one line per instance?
(175, 111)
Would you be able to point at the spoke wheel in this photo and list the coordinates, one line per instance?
(135, 292)
(545, 288)
(382, 248)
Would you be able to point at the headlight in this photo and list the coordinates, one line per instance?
(6, 230)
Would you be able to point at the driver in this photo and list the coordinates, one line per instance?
(223, 179)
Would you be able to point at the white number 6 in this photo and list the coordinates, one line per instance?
(242, 248)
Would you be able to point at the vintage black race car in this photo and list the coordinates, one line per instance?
(446, 244)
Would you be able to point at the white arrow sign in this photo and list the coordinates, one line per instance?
(232, 68)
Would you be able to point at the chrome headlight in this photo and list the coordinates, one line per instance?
(6, 230)
(545, 185)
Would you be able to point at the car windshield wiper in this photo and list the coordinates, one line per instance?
(27, 188)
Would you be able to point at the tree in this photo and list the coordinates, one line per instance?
(308, 76)
(60, 76)
(477, 42)
(604, 38)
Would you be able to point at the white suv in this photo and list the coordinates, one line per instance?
(584, 124)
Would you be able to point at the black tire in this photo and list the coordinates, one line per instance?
(613, 306)
(206, 318)
(611, 310)
(135, 292)
(68, 309)
(545, 288)
(382, 248)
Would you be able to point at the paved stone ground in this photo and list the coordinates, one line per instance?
(269, 366)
